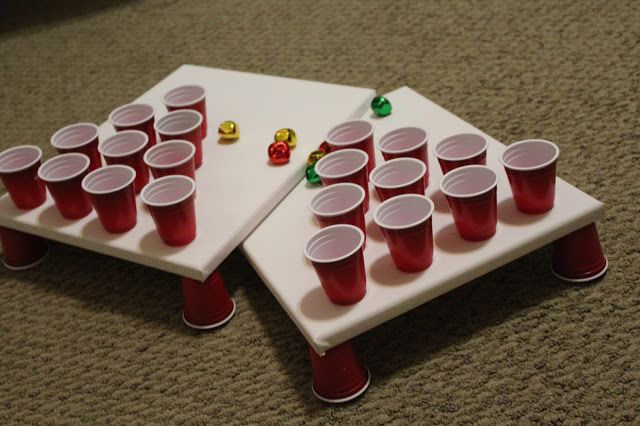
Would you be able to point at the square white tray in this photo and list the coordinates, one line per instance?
(278, 257)
(237, 186)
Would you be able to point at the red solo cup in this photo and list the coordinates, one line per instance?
(22, 250)
(345, 165)
(206, 304)
(336, 254)
(578, 257)
(460, 150)
(188, 97)
(357, 134)
(63, 176)
(79, 137)
(531, 169)
(471, 193)
(171, 158)
(399, 176)
(171, 202)
(135, 117)
(127, 148)
(340, 203)
(406, 142)
(111, 191)
(19, 174)
(183, 124)
(406, 224)
(338, 375)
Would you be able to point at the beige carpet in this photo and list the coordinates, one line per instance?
(89, 339)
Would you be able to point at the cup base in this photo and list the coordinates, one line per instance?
(214, 325)
(583, 278)
(28, 266)
(348, 398)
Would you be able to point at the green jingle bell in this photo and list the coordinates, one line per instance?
(381, 106)
(311, 175)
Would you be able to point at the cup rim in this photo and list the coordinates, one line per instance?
(58, 157)
(192, 151)
(103, 170)
(530, 168)
(120, 134)
(54, 137)
(424, 141)
(184, 104)
(135, 123)
(461, 169)
(378, 169)
(346, 150)
(334, 186)
(25, 167)
(156, 125)
(467, 157)
(156, 182)
(369, 133)
(329, 229)
(395, 199)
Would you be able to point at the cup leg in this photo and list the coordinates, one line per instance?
(338, 375)
(206, 304)
(578, 256)
(22, 250)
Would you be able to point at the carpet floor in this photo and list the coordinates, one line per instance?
(88, 339)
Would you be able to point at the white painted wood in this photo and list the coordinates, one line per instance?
(278, 255)
(237, 186)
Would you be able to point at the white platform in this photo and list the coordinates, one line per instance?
(279, 260)
(237, 186)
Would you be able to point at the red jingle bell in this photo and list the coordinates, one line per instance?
(279, 152)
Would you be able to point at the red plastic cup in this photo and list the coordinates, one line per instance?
(345, 165)
(79, 137)
(128, 148)
(357, 134)
(338, 375)
(340, 203)
(471, 193)
(531, 169)
(188, 97)
(185, 125)
(63, 176)
(171, 158)
(206, 304)
(578, 256)
(112, 194)
(135, 117)
(336, 254)
(460, 150)
(21, 250)
(406, 224)
(171, 202)
(19, 174)
(399, 176)
(406, 142)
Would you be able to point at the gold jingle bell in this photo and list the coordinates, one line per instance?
(314, 157)
(288, 136)
(229, 130)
